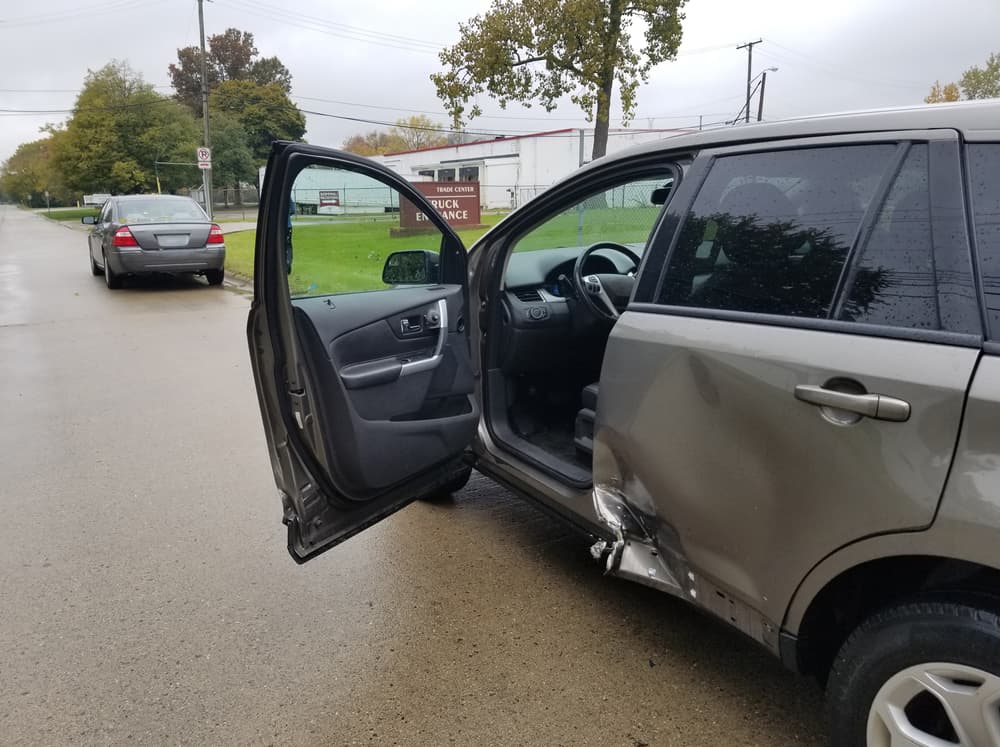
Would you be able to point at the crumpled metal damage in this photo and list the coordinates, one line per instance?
(638, 551)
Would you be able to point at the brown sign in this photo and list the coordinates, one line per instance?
(329, 198)
(457, 202)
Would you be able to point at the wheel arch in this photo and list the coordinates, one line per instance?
(849, 586)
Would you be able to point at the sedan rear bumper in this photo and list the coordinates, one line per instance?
(140, 261)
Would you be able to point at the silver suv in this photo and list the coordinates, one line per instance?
(759, 367)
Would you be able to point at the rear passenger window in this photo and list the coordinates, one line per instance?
(769, 233)
(893, 280)
(984, 168)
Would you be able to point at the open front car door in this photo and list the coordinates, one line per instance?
(358, 342)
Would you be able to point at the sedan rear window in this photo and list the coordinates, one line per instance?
(160, 211)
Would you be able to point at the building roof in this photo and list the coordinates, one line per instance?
(506, 138)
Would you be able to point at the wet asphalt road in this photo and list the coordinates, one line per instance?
(146, 595)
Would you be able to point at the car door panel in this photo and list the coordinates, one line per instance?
(366, 397)
(381, 425)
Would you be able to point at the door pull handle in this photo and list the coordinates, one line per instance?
(876, 406)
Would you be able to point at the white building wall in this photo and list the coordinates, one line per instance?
(513, 170)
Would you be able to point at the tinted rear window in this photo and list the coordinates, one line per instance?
(769, 233)
(984, 168)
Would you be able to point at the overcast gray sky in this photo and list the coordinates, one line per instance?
(372, 59)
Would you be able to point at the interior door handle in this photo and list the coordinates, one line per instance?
(426, 364)
(876, 406)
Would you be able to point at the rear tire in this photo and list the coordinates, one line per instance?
(918, 669)
(113, 281)
(215, 277)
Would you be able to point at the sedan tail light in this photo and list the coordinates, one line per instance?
(124, 237)
(215, 235)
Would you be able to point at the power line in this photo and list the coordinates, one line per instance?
(47, 18)
(836, 71)
(312, 23)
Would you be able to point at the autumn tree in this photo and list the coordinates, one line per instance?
(374, 143)
(536, 51)
(940, 94)
(975, 83)
(232, 55)
(119, 128)
(418, 131)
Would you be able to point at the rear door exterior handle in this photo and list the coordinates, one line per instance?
(877, 406)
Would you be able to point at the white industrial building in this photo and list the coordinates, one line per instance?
(512, 169)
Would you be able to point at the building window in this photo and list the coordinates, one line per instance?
(426, 172)
(446, 175)
(468, 174)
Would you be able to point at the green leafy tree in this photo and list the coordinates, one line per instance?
(265, 113)
(232, 159)
(982, 82)
(119, 127)
(28, 174)
(536, 51)
(232, 55)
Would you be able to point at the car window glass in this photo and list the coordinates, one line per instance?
(342, 226)
(984, 172)
(769, 232)
(105, 213)
(165, 210)
(624, 214)
(894, 283)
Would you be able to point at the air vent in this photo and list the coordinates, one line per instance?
(528, 295)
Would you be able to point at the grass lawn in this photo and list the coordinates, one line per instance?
(583, 228)
(68, 214)
(339, 257)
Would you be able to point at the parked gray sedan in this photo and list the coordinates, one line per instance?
(146, 234)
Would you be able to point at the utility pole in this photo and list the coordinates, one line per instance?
(760, 96)
(206, 174)
(749, 48)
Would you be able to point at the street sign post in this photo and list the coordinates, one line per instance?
(204, 156)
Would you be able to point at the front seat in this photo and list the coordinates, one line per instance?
(583, 429)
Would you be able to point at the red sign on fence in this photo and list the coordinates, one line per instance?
(329, 198)
(458, 203)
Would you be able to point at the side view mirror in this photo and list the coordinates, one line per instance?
(661, 194)
(410, 267)
(89, 220)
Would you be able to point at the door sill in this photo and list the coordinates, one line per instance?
(572, 475)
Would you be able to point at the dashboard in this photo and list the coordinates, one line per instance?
(538, 321)
(542, 267)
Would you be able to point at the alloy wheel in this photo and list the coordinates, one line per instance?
(936, 705)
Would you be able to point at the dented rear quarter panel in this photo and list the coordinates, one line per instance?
(967, 526)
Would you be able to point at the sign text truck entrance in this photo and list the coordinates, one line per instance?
(457, 202)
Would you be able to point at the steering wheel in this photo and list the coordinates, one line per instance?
(604, 295)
